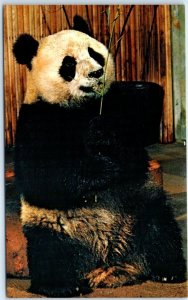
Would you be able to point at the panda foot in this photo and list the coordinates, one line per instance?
(56, 292)
(115, 276)
(167, 279)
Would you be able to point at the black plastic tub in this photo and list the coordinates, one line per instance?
(140, 103)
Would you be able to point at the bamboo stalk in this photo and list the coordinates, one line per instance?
(118, 57)
(133, 47)
(122, 49)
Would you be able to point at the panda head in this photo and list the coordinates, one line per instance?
(66, 67)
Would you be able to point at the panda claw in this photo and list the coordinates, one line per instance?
(164, 279)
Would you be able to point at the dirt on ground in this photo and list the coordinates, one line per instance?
(17, 288)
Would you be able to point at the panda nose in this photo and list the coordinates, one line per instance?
(96, 74)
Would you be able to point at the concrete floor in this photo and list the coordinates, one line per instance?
(172, 158)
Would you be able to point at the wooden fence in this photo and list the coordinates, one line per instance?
(141, 46)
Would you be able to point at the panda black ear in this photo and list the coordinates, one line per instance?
(81, 25)
(24, 49)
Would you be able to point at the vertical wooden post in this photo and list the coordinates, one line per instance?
(168, 119)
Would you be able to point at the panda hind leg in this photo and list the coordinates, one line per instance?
(163, 245)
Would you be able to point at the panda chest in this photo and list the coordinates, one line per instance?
(61, 135)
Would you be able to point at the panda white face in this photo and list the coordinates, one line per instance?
(68, 68)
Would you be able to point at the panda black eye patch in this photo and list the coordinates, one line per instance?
(96, 56)
(68, 68)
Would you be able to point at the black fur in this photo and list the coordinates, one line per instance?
(96, 56)
(81, 25)
(67, 271)
(63, 156)
(24, 49)
(68, 68)
(86, 89)
(96, 74)
(57, 140)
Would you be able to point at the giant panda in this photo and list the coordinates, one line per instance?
(91, 215)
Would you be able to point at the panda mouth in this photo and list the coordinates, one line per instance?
(86, 89)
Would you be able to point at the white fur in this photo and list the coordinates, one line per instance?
(45, 81)
(91, 226)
